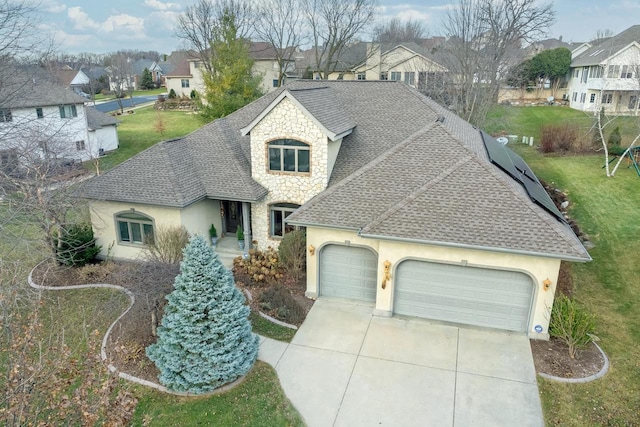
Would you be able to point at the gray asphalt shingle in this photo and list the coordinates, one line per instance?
(401, 173)
(97, 119)
(603, 50)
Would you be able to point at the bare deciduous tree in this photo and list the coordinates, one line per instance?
(485, 38)
(198, 25)
(396, 31)
(121, 76)
(333, 25)
(279, 22)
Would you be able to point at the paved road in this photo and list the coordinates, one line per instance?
(107, 107)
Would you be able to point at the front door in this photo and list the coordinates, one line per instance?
(232, 215)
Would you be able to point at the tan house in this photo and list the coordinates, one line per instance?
(407, 62)
(408, 209)
(187, 75)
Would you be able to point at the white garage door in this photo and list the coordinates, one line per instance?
(476, 296)
(348, 272)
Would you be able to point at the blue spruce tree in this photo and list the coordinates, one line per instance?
(205, 338)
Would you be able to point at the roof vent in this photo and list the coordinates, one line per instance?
(440, 119)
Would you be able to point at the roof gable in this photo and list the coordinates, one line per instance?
(320, 105)
(601, 52)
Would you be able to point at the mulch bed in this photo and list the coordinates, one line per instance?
(150, 283)
(552, 358)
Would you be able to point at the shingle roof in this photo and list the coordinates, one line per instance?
(34, 88)
(97, 119)
(400, 174)
(180, 69)
(603, 50)
(321, 103)
(450, 196)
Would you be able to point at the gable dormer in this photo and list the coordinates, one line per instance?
(295, 140)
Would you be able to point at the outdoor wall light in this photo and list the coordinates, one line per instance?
(547, 284)
(387, 274)
(312, 250)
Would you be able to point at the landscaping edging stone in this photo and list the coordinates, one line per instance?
(269, 318)
(105, 339)
(600, 374)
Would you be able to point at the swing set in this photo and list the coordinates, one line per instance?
(633, 159)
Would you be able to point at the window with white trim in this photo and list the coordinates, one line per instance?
(39, 113)
(575, 96)
(592, 98)
(627, 72)
(613, 71)
(410, 78)
(607, 98)
(68, 111)
(582, 97)
(633, 99)
(80, 145)
(396, 76)
(384, 75)
(278, 213)
(134, 228)
(362, 76)
(184, 82)
(289, 155)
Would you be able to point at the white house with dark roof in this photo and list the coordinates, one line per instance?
(408, 209)
(39, 118)
(607, 74)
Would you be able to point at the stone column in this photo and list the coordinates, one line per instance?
(246, 227)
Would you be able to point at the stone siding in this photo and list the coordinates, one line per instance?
(285, 120)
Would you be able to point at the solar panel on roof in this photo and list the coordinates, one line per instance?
(517, 168)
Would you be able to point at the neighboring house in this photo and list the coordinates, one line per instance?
(188, 74)
(41, 119)
(407, 62)
(130, 77)
(75, 80)
(404, 206)
(607, 74)
(102, 132)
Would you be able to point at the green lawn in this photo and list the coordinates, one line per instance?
(269, 329)
(258, 401)
(528, 121)
(609, 287)
(138, 132)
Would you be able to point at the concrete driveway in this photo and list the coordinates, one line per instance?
(345, 367)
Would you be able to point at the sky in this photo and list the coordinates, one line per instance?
(108, 26)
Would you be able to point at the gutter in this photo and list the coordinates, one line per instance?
(475, 247)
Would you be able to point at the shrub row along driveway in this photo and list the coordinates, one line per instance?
(345, 367)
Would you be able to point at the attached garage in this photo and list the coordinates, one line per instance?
(348, 272)
(461, 294)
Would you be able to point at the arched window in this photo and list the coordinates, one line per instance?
(278, 213)
(134, 228)
(288, 155)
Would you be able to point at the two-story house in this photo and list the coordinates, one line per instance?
(40, 119)
(607, 74)
(408, 209)
(188, 74)
(407, 62)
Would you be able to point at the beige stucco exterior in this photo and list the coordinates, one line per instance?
(538, 268)
(196, 218)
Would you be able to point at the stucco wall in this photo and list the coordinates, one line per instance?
(285, 121)
(537, 268)
(104, 225)
(196, 218)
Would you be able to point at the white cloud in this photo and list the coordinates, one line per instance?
(124, 25)
(158, 5)
(162, 20)
(68, 41)
(120, 26)
(53, 6)
(81, 20)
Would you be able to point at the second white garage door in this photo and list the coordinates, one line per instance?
(348, 272)
(476, 296)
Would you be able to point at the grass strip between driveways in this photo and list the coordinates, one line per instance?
(269, 329)
(608, 210)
